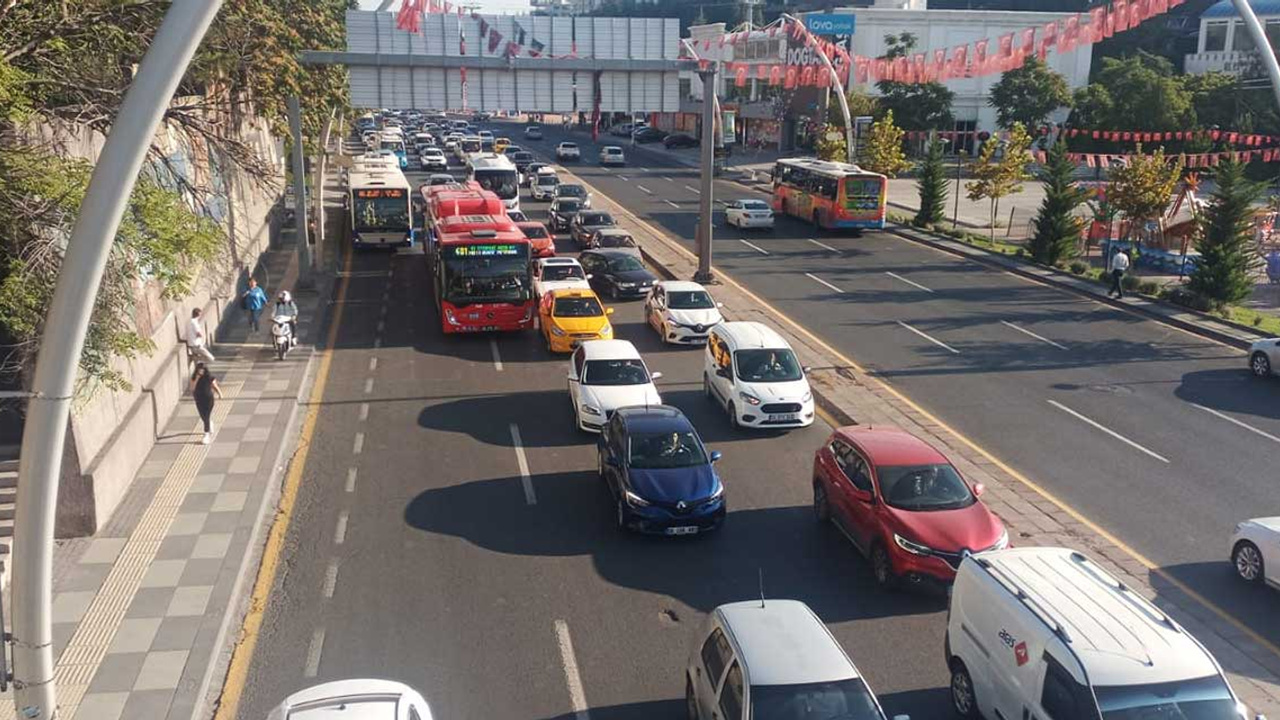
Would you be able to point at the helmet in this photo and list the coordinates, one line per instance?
(284, 296)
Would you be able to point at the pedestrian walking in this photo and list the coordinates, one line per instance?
(204, 388)
(1119, 266)
(196, 341)
(253, 299)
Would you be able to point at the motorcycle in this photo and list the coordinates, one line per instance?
(282, 337)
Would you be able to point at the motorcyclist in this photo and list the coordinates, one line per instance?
(287, 308)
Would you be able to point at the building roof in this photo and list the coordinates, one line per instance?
(782, 642)
(1226, 9)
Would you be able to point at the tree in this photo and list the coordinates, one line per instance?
(831, 144)
(932, 185)
(997, 177)
(1141, 90)
(1143, 188)
(1028, 94)
(1057, 227)
(917, 106)
(883, 153)
(1228, 256)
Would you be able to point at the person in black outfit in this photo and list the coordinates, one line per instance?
(204, 387)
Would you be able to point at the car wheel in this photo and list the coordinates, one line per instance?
(733, 418)
(963, 701)
(1248, 562)
(690, 702)
(882, 567)
(821, 507)
(1260, 364)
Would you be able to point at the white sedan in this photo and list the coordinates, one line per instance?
(558, 273)
(1255, 551)
(1264, 357)
(682, 312)
(612, 155)
(605, 375)
(567, 151)
(744, 214)
(362, 698)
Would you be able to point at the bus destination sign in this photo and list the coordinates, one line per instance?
(490, 250)
(369, 193)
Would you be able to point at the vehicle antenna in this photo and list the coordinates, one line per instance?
(760, 571)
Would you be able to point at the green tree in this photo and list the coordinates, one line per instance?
(1141, 90)
(1057, 226)
(932, 185)
(917, 106)
(831, 144)
(998, 176)
(1029, 94)
(883, 153)
(1143, 188)
(1228, 255)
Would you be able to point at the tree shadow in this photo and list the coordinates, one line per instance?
(1216, 581)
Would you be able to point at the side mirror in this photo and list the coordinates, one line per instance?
(608, 311)
(573, 378)
(715, 456)
(655, 376)
(807, 369)
(722, 372)
(590, 276)
(719, 304)
(979, 489)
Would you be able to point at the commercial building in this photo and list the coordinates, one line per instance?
(1224, 44)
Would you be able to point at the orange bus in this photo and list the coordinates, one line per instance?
(483, 279)
(829, 194)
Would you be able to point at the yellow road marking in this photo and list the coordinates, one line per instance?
(242, 655)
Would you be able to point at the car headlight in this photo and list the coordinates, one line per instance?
(635, 500)
(1002, 542)
(591, 410)
(557, 331)
(719, 493)
(911, 547)
(626, 285)
(807, 397)
(749, 398)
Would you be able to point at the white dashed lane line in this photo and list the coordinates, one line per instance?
(645, 190)
(1237, 423)
(526, 481)
(351, 479)
(930, 338)
(358, 446)
(753, 246)
(572, 678)
(824, 246)
(364, 412)
(912, 283)
(373, 364)
(822, 282)
(1028, 333)
(313, 654)
(673, 204)
(693, 190)
(340, 532)
(497, 357)
(330, 579)
(1107, 430)
(368, 385)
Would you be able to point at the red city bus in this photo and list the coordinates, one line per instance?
(830, 194)
(445, 201)
(454, 224)
(483, 280)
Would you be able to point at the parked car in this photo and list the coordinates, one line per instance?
(543, 186)
(622, 130)
(540, 239)
(562, 212)
(612, 238)
(617, 273)
(751, 371)
(533, 132)
(661, 476)
(902, 504)
(363, 698)
(558, 273)
(648, 135)
(1264, 357)
(682, 312)
(573, 191)
(1255, 551)
(680, 140)
(567, 151)
(605, 375)
(612, 155)
(587, 222)
(746, 213)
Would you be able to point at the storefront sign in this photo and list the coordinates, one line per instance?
(829, 23)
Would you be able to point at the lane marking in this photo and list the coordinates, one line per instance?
(643, 169)
(384, 309)
(693, 190)
(497, 358)
(351, 479)
(1236, 422)
(623, 178)
(1107, 430)
(820, 281)
(912, 283)
(525, 479)
(313, 654)
(382, 324)
(373, 364)
(672, 204)
(664, 177)
(931, 339)
(577, 698)
(753, 246)
(368, 385)
(822, 245)
(340, 532)
(644, 189)
(330, 579)
(377, 342)
(358, 446)
(1041, 338)
(364, 411)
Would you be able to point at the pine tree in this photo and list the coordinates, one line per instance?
(932, 185)
(1057, 225)
(884, 153)
(1227, 252)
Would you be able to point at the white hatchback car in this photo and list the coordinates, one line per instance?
(567, 151)
(543, 186)
(682, 312)
(362, 698)
(744, 214)
(1264, 357)
(612, 155)
(605, 375)
(558, 273)
(1255, 551)
(751, 371)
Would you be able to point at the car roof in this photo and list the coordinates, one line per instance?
(681, 286)
(613, 231)
(782, 642)
(891, 446)
(653, 418)
(750, 334)
(572, 292)
(360, 699)
(559, 260)
(611, 148)
(610, 253)
(609, 350)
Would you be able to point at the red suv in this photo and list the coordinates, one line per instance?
(902, 504)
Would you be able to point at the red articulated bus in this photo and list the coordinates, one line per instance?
(443, 201)
(483, 280)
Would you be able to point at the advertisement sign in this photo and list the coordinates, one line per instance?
(728, 126)
(829, 23)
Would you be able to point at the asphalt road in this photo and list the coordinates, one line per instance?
(1158, 435)
(415, 554)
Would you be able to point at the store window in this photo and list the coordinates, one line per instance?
(1240, 40)
(1215, 37)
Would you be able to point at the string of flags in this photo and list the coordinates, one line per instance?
(1197, 160)
(1231, 138)
(409, 19)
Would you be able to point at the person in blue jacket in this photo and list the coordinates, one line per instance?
(254, 299)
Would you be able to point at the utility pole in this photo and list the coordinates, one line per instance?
(66, 325)
(710, 139)
(300, 205)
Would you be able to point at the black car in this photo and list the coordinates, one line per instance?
(587, 222)
(562, 212)
(680, 140)
(617, 273)
(574, 191)
(649, 135)
(662, 478)
(612, 238)
(522, 160)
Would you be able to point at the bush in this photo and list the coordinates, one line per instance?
(1130, 282)
(1021, 253)
(1257, 320)
(1187, 299)
(1078, 267)
(1149, 287)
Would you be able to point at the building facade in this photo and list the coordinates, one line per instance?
(1224, 44)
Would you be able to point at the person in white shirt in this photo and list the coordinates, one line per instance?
(1119, 265)
(196, 338)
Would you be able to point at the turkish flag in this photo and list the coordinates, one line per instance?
(980, 57)
(1028, 42)
(789, 80)
(1119, 16)
(775, 75)
(740, 76)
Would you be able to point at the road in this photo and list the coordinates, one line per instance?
(1157, 435)
(415, 553)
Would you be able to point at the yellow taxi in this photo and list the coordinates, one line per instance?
(500, 144)
(571, 316)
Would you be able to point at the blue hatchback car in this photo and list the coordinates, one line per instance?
(661, 476)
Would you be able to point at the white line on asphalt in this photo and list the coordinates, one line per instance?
(351, 479)
(645, 190)
(623, 178)
(577, 698)
(359, 444)
(1234, 421)
(664, 177)
(693, 190)
(373, 364)
(673, 204)
(820, 281)
(386, 295)
(330, 579)
(340, 532)
(525, 480)
(643, 169)
(753, 246)
(1027, 332)
(377, 342)
(368, 385)
(381, 325)
(822, 245)
(497, 359)
(313, 654)
(1107, 430)
(933, 340)
(364, 411)
(896, 276)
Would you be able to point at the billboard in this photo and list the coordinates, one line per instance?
(830, 23)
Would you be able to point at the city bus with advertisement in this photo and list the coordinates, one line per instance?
(445, 201)
(483, 281)
(497, 174)
(379, 208)
(829, 194)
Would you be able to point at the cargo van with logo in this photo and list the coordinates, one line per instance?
(752, 372)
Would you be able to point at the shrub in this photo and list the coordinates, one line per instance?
(1257, 320)
(1078, 267)
(1187, 299)
(1021, 253)
(1130, 282)
(1149, 287)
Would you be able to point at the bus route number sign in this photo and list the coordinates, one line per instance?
(370, 193)
(499, 250)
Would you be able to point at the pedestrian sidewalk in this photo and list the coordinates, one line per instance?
(144, 612)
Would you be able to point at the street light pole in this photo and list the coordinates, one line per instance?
(708, 147)
(955, 214)
(300, 205)
(65, 327)
(1259, 37)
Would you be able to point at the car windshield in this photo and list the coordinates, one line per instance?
(568, 146)
(577, 307)
(562, 272)
(548, 180)
(571, 190)
(658, 451)
(521, 157)
(568, 206)
(624, 263)
(1206, 698)
(766, 366)
(924, 487)
(839, 700)
(615, 372)
(534, 232)
(597, 218)
(690, 300)
(441, 179)
(754, 205)
(617, 241)
(518, 217)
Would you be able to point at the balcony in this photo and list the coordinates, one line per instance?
(1234, 62)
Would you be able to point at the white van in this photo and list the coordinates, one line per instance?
(1047, 634)
(752, 372)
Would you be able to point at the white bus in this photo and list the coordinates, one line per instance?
(497, 173)
(379, 207)
(394, 141)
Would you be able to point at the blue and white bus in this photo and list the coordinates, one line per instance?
(379, 208)
(394, 141)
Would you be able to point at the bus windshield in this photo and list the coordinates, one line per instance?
(504, 183)
(389, 211)
(497, 273)
(393, 145)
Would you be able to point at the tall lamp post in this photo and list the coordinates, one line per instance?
(955, 213)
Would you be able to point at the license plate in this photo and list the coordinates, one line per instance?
(785, 417)
(683, 530)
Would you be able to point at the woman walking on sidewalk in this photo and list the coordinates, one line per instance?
(204, 387)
